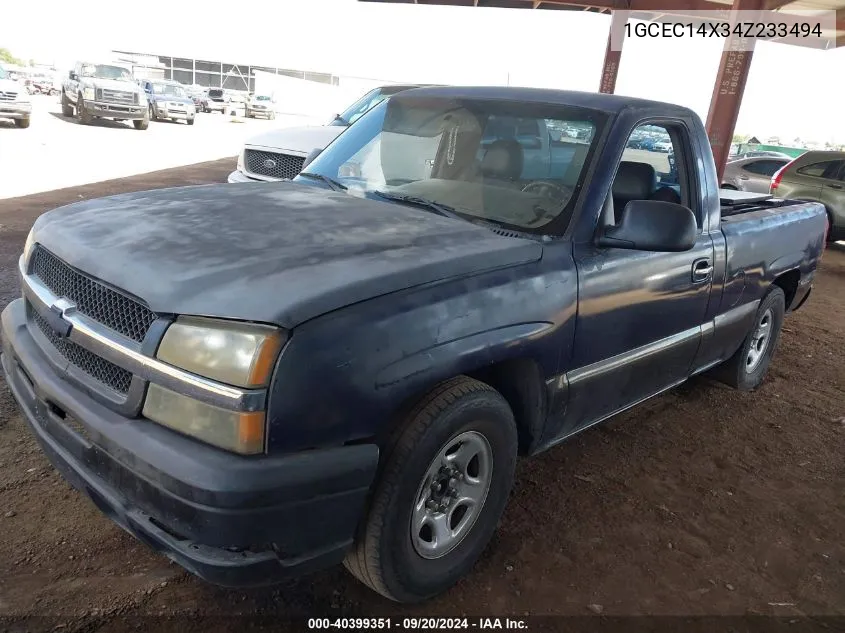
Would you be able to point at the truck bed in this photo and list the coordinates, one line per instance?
(741, 202)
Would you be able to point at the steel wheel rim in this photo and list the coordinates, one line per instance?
(451, 495)
(760, 338)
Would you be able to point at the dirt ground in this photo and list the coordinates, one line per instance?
(703, 502)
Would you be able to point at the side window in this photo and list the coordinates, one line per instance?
(764, 167)
(823, 169)
(651, 167)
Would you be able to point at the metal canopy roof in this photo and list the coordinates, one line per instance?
(662, 9)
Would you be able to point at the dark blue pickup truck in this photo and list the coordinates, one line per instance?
(265, 379)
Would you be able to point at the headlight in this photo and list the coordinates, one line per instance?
(28, 246)
(231, 430)
(88, 93)
(239, 354)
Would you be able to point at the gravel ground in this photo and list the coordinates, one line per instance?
(702, 502)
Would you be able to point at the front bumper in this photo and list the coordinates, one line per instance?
(232, 520)
(116, 111)
(15, 110)
(167, 113)
(239, 176)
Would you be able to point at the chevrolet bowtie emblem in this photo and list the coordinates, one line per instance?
(56, 320)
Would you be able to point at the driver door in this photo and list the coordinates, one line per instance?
(640, 313)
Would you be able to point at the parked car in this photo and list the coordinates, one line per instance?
(817, 176)
(281, 154)
(14, 102)
(761, 154)
(168, 100)
(752, 174)
(348, 371)
(261, 106)
(199, 96)
(217, 100)
(104, 91)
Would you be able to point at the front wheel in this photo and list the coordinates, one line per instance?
(142, 124)
(22, 123)
(82, 112)
(67, 108)
(190, 121)
(443, 485)
(747, 368)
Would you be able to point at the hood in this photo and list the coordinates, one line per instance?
(298, 139)
(279, 253)
(167, 98)
(110, 84)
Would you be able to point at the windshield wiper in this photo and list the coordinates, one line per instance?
(439, 208)
(331, 182)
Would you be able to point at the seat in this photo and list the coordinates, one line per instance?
(633, 181)
(503, 160)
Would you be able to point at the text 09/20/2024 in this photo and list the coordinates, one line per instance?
(416, 624)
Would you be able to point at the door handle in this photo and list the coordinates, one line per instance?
(701, 270)
(835, 186)
(743, 177)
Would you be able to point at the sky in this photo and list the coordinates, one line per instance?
(791, 91)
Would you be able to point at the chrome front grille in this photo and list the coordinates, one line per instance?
(99, 302)
(8, 96)
(272, 164)
(101, 370)
(118, 96)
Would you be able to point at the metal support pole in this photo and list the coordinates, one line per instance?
(728, 91)
(613, 51)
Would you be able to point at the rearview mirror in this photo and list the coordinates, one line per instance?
(652, 225)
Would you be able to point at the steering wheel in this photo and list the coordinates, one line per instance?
(548, 189)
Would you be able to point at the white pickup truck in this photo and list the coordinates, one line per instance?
(14, 102)
(280, 154)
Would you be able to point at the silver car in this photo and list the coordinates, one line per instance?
(752, 174)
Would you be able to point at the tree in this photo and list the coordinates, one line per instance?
(6, 56)
(739, 138)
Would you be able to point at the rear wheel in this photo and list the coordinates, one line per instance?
(442, 488)
(746, 369)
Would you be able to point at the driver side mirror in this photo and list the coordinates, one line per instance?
(652, 225)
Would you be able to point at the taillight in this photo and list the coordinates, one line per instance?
(778, 175)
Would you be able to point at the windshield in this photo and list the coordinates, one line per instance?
(261, 98)
(516, 164)
(361, 107)
(103, 71)
(3, 74)
(169, 90)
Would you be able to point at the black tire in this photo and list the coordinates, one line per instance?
(22, 123)
(736, 372)
(384, 556)
(67, 108)
(142, 124)
(190, 121)
(82, 114)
